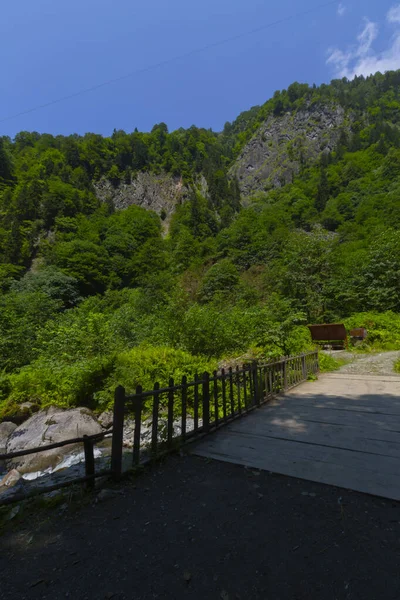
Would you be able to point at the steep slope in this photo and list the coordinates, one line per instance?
(284, 144)
(160, 193)
(109, 300)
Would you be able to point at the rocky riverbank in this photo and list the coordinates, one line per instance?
(45, 427)
(53, 425)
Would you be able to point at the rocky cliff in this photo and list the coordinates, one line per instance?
(276, 153)
(282, 145)
(160, 193)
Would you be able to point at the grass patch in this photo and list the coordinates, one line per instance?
(328, 363)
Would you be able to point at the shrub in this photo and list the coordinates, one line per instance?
(56, 383)
(223, 277)
(147, 365)
(327, 362)
(52, 282)
(383, 330)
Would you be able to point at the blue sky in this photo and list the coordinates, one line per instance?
(52, 49)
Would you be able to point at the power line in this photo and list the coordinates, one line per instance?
(171, 60)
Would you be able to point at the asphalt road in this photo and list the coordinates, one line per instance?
(199, 529)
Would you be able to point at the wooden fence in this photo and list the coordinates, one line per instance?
(88, 442)
(168, 417)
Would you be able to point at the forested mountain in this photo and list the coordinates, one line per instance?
(290, 214)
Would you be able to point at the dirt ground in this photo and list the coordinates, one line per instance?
(379, 363)
(199, 529)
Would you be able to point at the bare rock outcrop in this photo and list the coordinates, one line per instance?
(160, 193)
(282, 145)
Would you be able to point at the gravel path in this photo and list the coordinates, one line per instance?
(381, 363)
(199, 529)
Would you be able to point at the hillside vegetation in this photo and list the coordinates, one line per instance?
(91, 295)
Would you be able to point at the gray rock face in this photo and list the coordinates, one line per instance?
(47, 427)
(283, 144)
(6, 429)
(106, 419)
(160, 193)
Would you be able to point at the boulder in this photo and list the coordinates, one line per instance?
(10, 479)
(28, 407)
(49, 427)
(106, 419)
(23, 412)
(6, 429)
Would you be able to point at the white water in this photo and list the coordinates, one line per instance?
(68, 461)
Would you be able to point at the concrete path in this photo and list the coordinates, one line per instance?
(342, 430)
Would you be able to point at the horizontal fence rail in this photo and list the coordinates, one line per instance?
(88, 442)
(168, 417)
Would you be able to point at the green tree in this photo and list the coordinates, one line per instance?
(53, 283)
(6, 164)
(221, 278)
(84, 261)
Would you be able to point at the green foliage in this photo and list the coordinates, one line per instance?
(307, 262)
(146, 365)
(91, 296)
(52, 282)
(6, 162)
(381, 274)
(8, 273)
(84, 261)
(218, 329)
(22, 316)
(383, 330)
(53, 382)
(328, 363)
(221, 278)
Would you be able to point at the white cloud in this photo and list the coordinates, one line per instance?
(341, 10)
(362, 59)
(366, 37)
(393, 15)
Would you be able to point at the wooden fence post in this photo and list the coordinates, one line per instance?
(223, 381)
(154, 426)
(238, 389)
(89, 461)
(215, 392)
(231, 398)
(170, 417)
(206, 402)
(138, 405)
(256, 386)
(270, 380)
(118, 433)
(196, 402)
(303, 366)
(284, 367)
(184, 408)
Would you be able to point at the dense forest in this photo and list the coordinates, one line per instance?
(91, 296)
